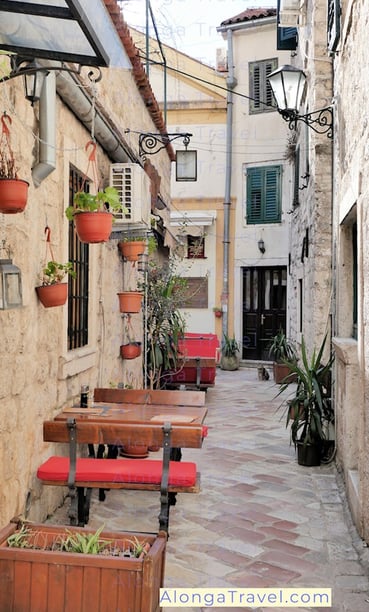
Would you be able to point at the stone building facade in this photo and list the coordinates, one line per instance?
(350, 222)
(41, 371)
(328, 280)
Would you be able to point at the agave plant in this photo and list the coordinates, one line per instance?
(311, 402)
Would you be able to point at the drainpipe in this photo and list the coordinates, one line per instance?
(80, 103)
(47, 132)
(231, 83)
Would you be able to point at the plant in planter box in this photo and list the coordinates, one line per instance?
(13, 191)
(283, 353)
(93, 214)
(74, 567)
(52, 291)
(230, 359)
(310, 406)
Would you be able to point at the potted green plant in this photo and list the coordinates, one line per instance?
(165, 292)
(283, 353)
(230, 359)
(217, 310)
(79, 568)
(132, 247)
(52, 291)
(93, 214)
(13, 191)
(310, 411)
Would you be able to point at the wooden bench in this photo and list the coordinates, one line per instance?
(150, 396)
(81, 475)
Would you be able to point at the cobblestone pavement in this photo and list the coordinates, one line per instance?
(261, 520)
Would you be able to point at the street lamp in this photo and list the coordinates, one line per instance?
(34, 74)
(186, 160)
(288, 84)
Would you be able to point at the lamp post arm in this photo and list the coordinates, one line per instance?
(321, 121)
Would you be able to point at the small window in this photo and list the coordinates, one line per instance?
(354, 281)
(260, 91)
(333, 25)
(286, 36)
(78, 288)
(296, 185)
(196, 247)
(263, 195)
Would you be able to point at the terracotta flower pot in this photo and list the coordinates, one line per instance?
(135, 452)
(131, 350)
(131, 250)
(93, 227)
(130, 301)
(53, 295)
(13, 195)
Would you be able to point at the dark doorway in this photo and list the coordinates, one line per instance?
(264, 292)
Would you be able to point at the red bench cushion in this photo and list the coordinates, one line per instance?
(181, 473)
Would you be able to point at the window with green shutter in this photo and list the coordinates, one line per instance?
(263, 195)
(260, 91)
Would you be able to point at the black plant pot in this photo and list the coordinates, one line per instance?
(308, 454)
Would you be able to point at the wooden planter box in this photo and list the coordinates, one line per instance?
(52, 581)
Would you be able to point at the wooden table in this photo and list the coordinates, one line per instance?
(139, 413)
(135, 413)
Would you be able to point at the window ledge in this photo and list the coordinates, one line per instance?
(346, 350)
(76, 361)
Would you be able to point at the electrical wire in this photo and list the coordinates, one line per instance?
(142, 56)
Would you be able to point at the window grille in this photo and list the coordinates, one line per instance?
(78, 288)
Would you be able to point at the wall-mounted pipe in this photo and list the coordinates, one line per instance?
(80, 103)
(47, 132)
(231, 83)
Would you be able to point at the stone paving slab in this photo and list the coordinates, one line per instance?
(261, 520)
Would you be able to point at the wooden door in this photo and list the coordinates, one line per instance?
(264, 293)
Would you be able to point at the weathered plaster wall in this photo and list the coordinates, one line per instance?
(39, 376)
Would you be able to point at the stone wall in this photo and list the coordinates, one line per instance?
(350, 207)
(310, 222)
(39, 375)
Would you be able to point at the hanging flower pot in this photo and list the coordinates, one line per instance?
(131, 249)
(53, 295)
(130, 301)
(92, 212)
(130, 350)
(13, 191)
(13, 195)
(93, 227)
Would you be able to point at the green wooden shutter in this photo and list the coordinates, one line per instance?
(271, 207)
(263, 195)
(254, 195)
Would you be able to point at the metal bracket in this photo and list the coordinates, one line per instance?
(321, 121)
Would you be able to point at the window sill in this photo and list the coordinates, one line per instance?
(76, 361)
